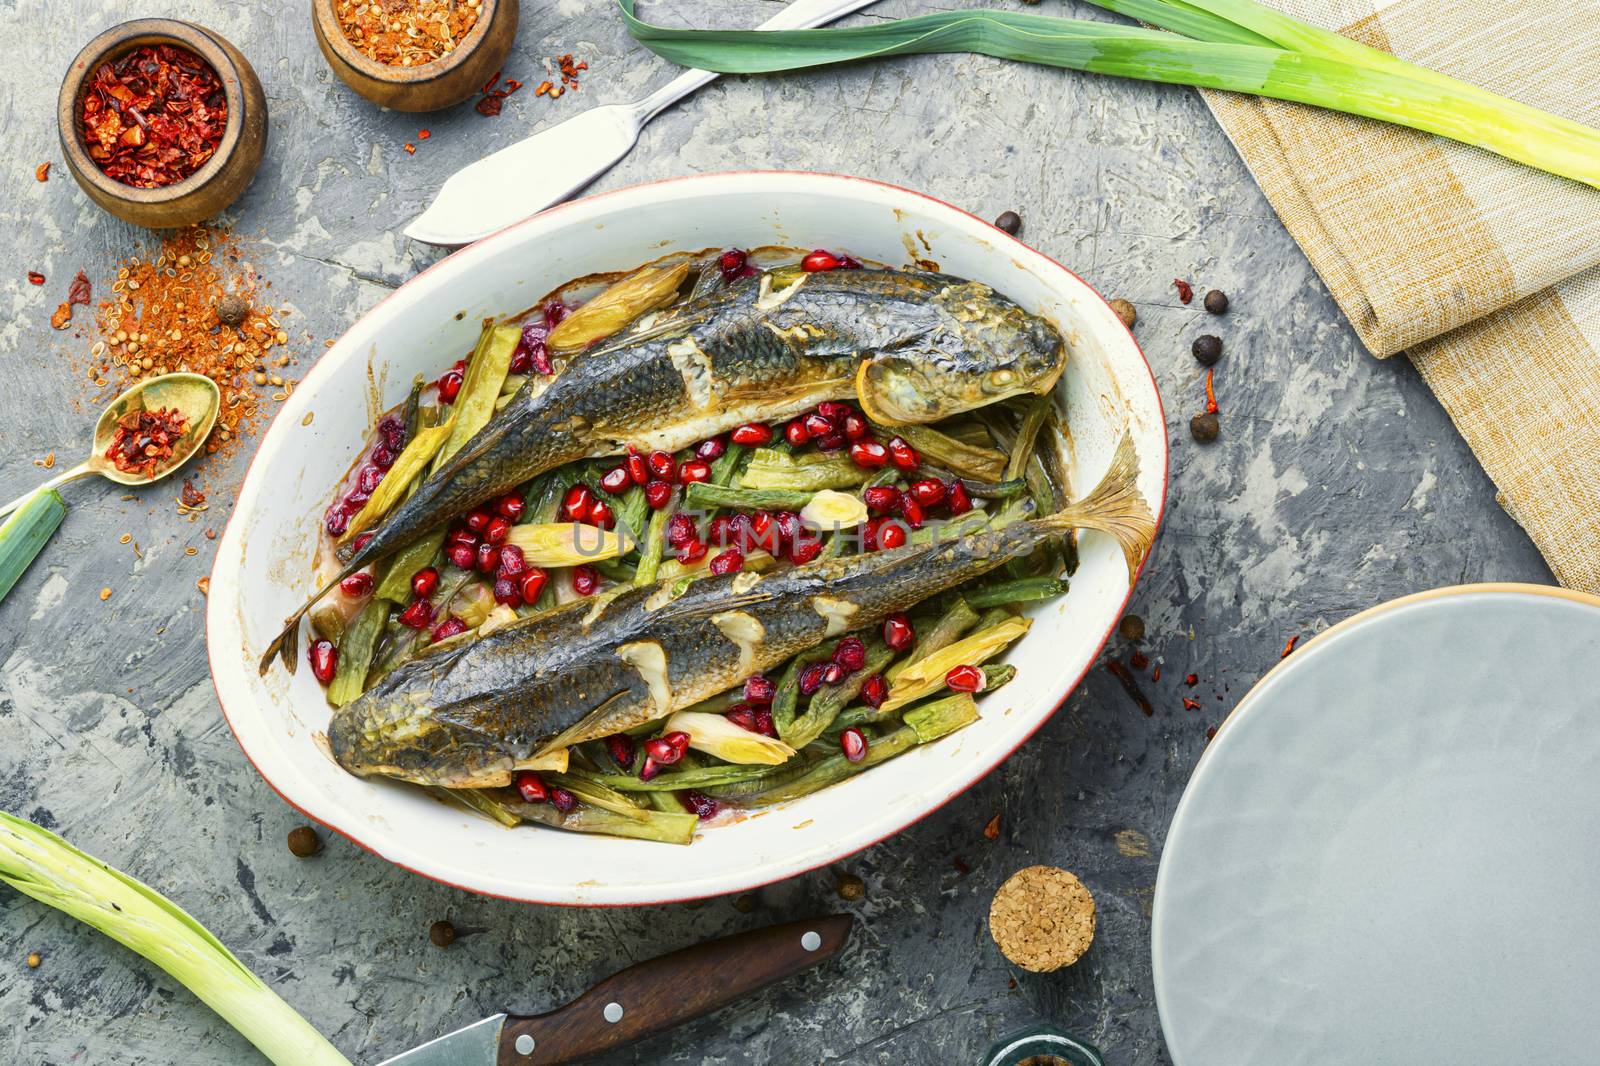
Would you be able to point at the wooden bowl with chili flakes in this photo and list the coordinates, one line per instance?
(415, 55)
(163, 123)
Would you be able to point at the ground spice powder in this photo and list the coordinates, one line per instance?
(407, 33)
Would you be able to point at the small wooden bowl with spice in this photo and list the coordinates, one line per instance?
(163, 123)
(415, 55)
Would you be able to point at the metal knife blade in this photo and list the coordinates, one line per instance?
(544, 169)
(477, 1044)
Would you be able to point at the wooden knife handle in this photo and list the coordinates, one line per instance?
(666, 991)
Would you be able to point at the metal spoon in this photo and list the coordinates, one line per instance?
(195, 395)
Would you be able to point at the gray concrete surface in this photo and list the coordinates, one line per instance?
(1338, 483)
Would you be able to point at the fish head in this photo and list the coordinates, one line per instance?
(982, 349)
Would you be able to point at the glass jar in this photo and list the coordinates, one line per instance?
(1042, 1045)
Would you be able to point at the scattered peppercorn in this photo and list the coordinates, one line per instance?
(1009, 222)
(1205, 427)
(442, 933)
(232, 309)
(1125, 311)
(1217, 302)
(1131, 627)
(744, 904)
(1207, 349)
(850, 887)
(33, 956)
(304, 842)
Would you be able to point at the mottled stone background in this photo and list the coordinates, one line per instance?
(1338, 483)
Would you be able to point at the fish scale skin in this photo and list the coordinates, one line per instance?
(469, 714)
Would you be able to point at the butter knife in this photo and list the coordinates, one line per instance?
(546, 168)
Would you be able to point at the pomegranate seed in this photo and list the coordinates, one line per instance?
(882, 498)
(964, 678)
(576, 503)
(532, 787)
(488, 560)
(512, 561)
(789, 527)
(657, 494)
(531, 584)
(758, 688)
(418, 615)
(664, 750)
(893, 535)
(601, 515)
(450, 385)
(638, 469)
(751, 434)
(324, 659)
(648, 769)
(897, 632)
(476, 521)
(817, 425)
(562, 800)
(929, 491)
(505, 591)
(903, 455)
(461, 556)
(585, 579)
(832, 673)
(616, 480)
(819, 261)
(510, 506)
(680, 530)
(729, 562)
(362, 541)
(497, 530)
(762, 535)
(795, 433)
(851, 654)
(663, 466)
(462, 535)
(956, 496)
(811, 678)
(764, 724)
(555, 312)
(336, 520)
(450, 627)
(854, 744)
(874, 690)
(622, 749)
(356, 585)
(393, 431)
(834, 411)
(382, 457)
(832, 442)
(732, 263)
(849, 262)
(521, 359)
(868, 453)
(725, 530)
(802, 552)
(424, 582)
(700, 805)
(694, 470)
(855, 427)
(742, 715)
(712, 448)
(356, 500)
(367, 479)
(913, 514)
(693, 551)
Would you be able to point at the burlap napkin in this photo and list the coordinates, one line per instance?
(1486, 273)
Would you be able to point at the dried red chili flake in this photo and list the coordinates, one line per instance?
(35, 278)
(1289, 647)
(1185, 290)
(1211, 734)
(992, 830)
(494, 98)
(410, 148)
(61, 316)
(1192, 680)
(1191, 704)
(1138, 660)
(423, 135)
(154, 116)
(1155, 675)
(42, 171)
(1130, 686)
(190, 496)
(1211, 394)
(144, 439)
(79, 291)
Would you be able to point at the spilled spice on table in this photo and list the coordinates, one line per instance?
(35, 278)
(1130, 685)
(1185, 290)
(407, 33)
(493, 98)
(190, 496)
(1289, 647)
(42, 171)
(1191, 704)
(565, 70)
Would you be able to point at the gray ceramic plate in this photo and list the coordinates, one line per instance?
(1391, 851)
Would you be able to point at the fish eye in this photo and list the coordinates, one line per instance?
(1001, 378)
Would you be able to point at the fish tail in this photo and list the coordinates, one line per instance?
(1114, 506)
(287, 642)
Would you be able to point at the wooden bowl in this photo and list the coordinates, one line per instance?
(225, 175)
(431, 86)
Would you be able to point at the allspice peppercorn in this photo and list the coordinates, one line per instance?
(1131, 627)
(232, 309)
(303, 842)
(1204, 427)
(1217, 302)
(1125, 311)
(442, 933)
(1009, 222)
(1042, 918)
(850, 887)
(1207, 349)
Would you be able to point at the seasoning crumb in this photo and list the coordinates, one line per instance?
(49, 460)
(304, 842)
(306, 421)
(1192, 680)
(1204, 427)
(1042, 919)
(204, 585)
(125, 538)
(42, 171)
(35, 278)
(992, 830)
(1009, 221)
(1217, 302)
(61, 316)
(1131, 686)
(1125, 311)
(191, 550)
(962, 869)
(410, 148)
(211, 534)
(1138, 660)
(442, 933)
(1011, 983)
(1191, 704)
(33, 956)
(423, 135)
(105, 593)
(189, 496)
(1185, 290)
(1289, 647)
(1131, 627)
(850, 887)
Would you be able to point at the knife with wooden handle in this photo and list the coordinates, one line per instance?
(646, 998)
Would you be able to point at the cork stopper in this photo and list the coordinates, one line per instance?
(1042, 918)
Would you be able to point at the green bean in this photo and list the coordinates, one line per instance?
(734, 791)
(589, 791)
(728, 465)
(985, 464)
(355, 652)
(826, 704)
(998, 676)
(410, 640)
(481, 801)
(788, 694)
(616, 570)
(813, 471)
(835, 768)
(705, 495)
(700, 777)
(544, 508)
(1027, 590)
(396, 584)
(655, 539)
(1022, 448)
(413, 403)
(659, 825)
